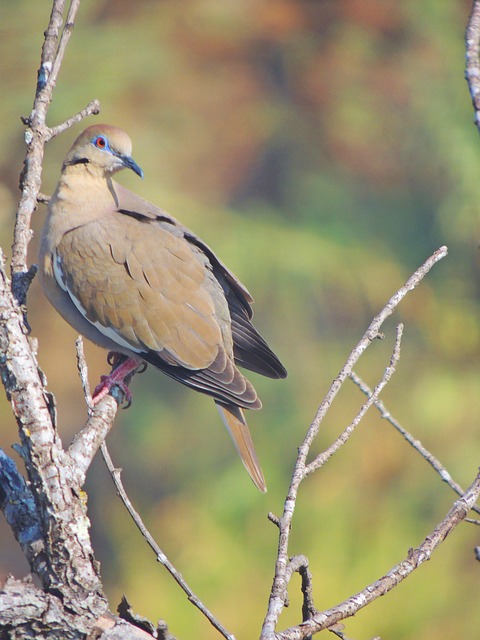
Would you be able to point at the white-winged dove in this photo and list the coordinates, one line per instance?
(133, 280)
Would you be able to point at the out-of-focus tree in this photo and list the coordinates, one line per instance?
(332, 148)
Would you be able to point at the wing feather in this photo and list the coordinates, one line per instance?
(148, 283)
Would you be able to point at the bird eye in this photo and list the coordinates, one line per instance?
(100, 142)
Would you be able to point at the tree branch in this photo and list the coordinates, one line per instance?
(83, 449)
(160, 555)
(37, 132)
(414, 442)
(18, 505)
(88, 440)
(280, 583)
(92, 109)
(472, 58)
(322, 458)
(26, 612)
(416, 557)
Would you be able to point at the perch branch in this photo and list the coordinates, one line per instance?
(83, 449)
(87, 441)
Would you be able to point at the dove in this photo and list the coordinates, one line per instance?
(135, 281)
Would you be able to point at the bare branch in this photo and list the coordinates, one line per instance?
(160, 555)
(299, 564)
(51, 79)
(472, 69)
(83, 449)
(414, 442)
(416, 557)
(371, 334)
(38, 133)
(92, 109)
(82, 369)
(279, 587)
(322, 458)
(88, 440)
(18, 505)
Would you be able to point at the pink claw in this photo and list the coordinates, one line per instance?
(116, 378)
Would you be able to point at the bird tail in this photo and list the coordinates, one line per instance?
(237, 426)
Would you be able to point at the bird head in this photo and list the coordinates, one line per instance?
(104, 147)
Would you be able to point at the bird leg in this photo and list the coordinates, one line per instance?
(123, 367)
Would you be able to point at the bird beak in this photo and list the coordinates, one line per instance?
(130, 163)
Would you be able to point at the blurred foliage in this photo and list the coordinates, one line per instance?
(324, 149)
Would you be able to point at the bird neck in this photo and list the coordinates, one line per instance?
(85, 188)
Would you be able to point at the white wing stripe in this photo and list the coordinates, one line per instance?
(108, 332)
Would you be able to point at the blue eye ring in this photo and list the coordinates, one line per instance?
(100, 142)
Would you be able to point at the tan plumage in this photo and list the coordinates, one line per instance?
(132, 279)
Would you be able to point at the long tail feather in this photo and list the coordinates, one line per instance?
(237, 426)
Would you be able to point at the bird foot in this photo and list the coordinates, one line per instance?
(116, 379)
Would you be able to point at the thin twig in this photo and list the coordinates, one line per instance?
(472, 68)
(51, 79)
(101, 418)
(92, 109)
(414, 442)
(416, 557)
(322, 458)
(82, 450)
(160, 555)
(299, 564)
(278, 591)
(83, 372)
(37, 133)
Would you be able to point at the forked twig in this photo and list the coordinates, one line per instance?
(37, 133)
(301, 470)
(93, 433)
(414, 442)
(416, 557)
(322, 458)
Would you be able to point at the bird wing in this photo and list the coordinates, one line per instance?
(142, 285)
(250, 349)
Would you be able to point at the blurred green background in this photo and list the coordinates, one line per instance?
(324, 149)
